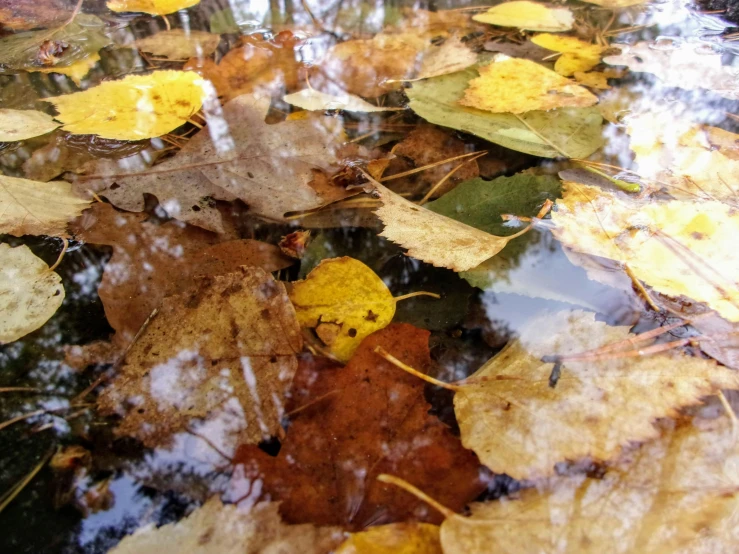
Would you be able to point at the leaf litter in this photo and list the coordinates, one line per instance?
(251, 211)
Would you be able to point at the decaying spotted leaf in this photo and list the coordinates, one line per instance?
(676, 247)
(227, 529)
(216, 358)
(519, 423)
(34, 208)
(510, 85)
(133, 108)
(344, 301)
(29, 293)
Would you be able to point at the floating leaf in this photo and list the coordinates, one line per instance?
(434, 238)
(311, 99)
(684, 65)
(530, 16)
(18, 125)
(519, 423)
(228, 529)
(274, 169)
(179, 44)
(33, 208)
(29, 293)
(450, 57)
(510, 85)
(677, 248)
(394, 538)
(574, 132)
(616, 3)
(153, 7)
(677, 494)
(577, 55)
(348, 425)
(77, 71)
(221, 354)
(344, 301)
(133, 108)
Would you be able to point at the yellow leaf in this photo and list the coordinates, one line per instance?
(178, 44)
(18, 125)
(35, 208)
(530, 16)
(76, 71)
(511, 85)
(693, 160)
(677, 494)
(676, 247)
(29, 293)
(615, 3)
(394, 538)
(577, 55)
(344, 301)
(228, 529)
(593, 79)
(154, 7)
(518, 424)
(134, 108)
(434, 238)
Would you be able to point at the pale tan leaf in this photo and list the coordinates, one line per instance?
(310, 99)
(34, 208)
(451, 56)
(18, 125)
(179, 44)
(29, 293)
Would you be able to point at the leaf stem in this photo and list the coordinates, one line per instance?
(417, 293)
(418, 493)
(379, 350)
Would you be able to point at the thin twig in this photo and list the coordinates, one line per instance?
(380, 351)
(65, 245)
(427, 166)
(417, 293)
(444, 179)
(418, 493)
(16, 489)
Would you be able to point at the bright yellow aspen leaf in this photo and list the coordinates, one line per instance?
(18, 125)
(577, 55)
(677, 248)
(134, 108)
(394, 538)
(154, 7)
(344, 301)
(530, 16)
(512, 85)
(76, 71)
(593, 79)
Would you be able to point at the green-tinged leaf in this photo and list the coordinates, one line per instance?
(574, 132)
(68, 44)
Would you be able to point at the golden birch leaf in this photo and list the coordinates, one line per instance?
(512, 417)
(29, 293)
(153, 7)
(344, 301)
(676, 247)
(513, 85)
(77, 71)
(228, 529)
(133, 108)
(674, 495)
(220, 355)
(530, 16)
(179, 44)
(394, 538)
(18, 125)
(434, 238)
(310, 99)
(693, 160)
(577, 55)
(35, 208)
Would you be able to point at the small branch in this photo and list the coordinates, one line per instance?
(16, 489)
(418, 493)
(444, 179)
(65, 245)
(427, 166)
(640, 288)
(380, 351)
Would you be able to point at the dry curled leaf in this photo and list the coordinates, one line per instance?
(217, 358)
(227, 529)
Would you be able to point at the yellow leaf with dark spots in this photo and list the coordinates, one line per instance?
(153, 7)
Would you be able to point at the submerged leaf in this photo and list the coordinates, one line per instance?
(18, 125)
(509, 85)
(22, 15)
(450, 57)
(394, 538)
(179, 44)
(219, 356)
(133, 108)
(228, 529)
(348, 425)
(33, 208)
(311, 99)
(77, 71)
(530, 16)
(344, 301)
(518, 423)
(153, 7)
(29, 293)
(677, 248)
(574, 132)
